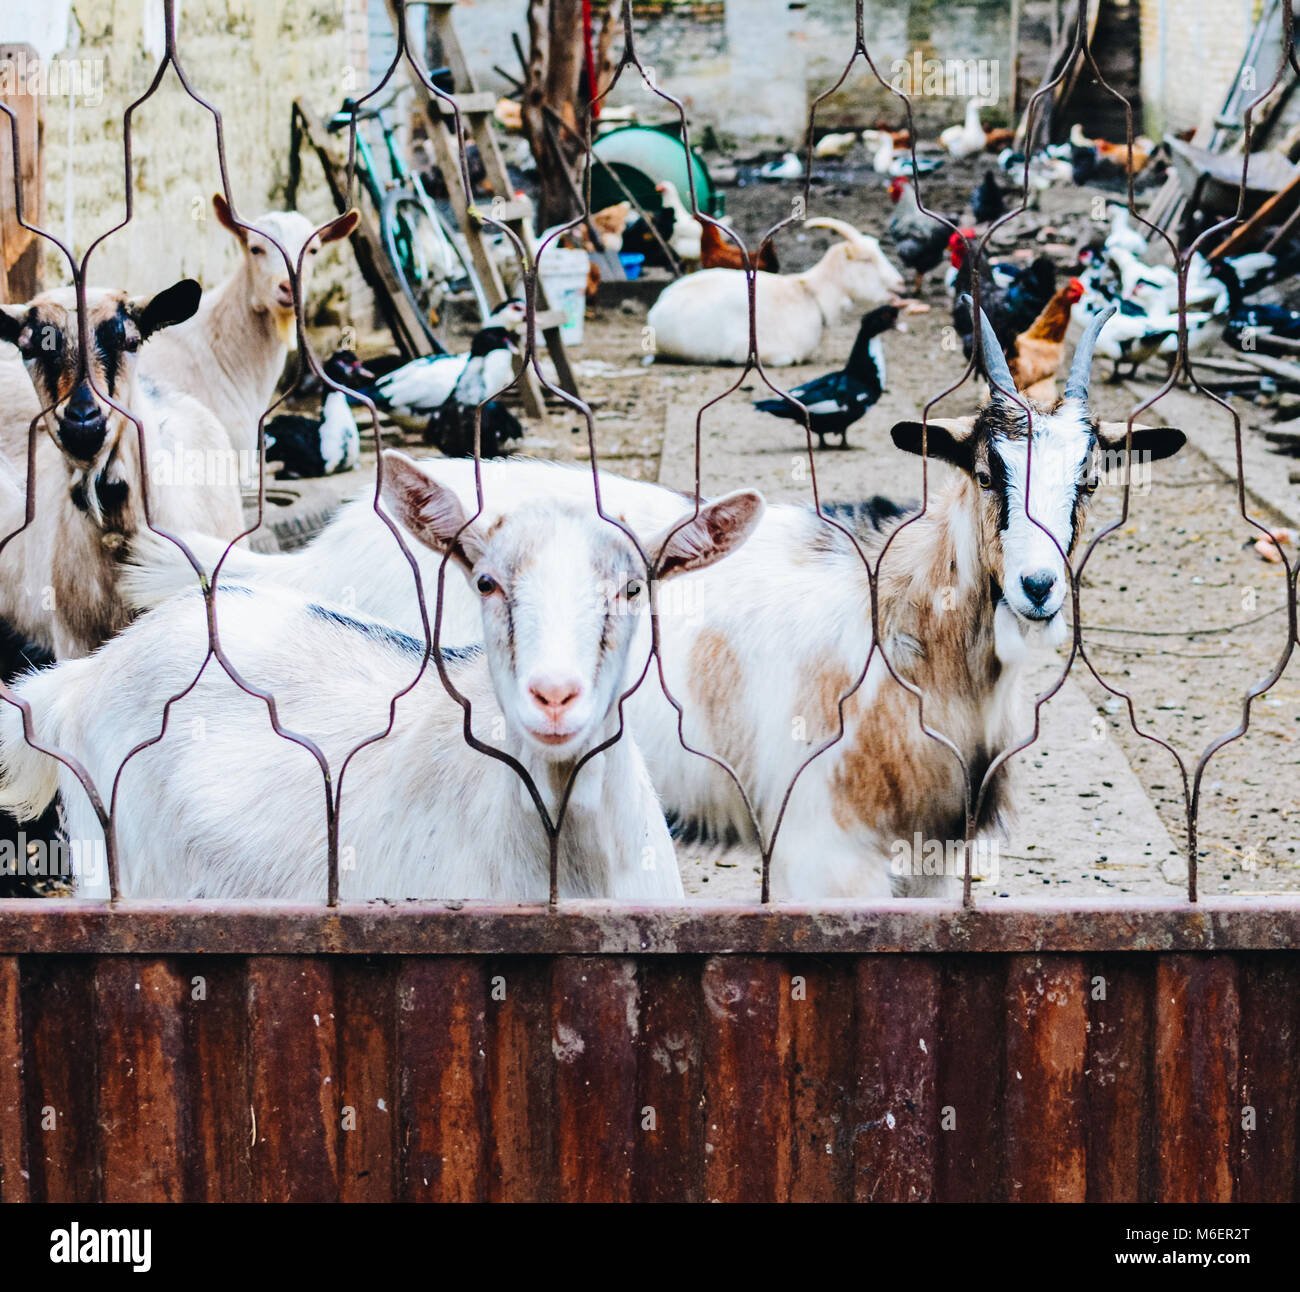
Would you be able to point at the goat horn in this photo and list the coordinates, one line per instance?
(842, 227)
(1081, 368)
(996, 372)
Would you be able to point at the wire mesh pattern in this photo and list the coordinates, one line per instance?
(978, 780)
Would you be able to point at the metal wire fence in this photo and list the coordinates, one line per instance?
(978, 774)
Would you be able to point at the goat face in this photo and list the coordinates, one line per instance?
(268, 282)
(867, 277)
(78, 416)
(1030, 495)
(562, 593)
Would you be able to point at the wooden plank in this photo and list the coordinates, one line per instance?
(293, 1079)
(219, 1143)
(141, 1078)
(594, 1020)
(746, 1080)
(669, 1157)
(1118, 1079)
(365, 1002)
(897, 1106)
(20, 249)
(1269, 991)
(477, 101)
(1045, 1105)
(820, 1026)
(59, 1072)
(519, 1080)
(1275, 209)
(441, 1079)
(971, 1072)
(14, 1174)
(1196, 1078)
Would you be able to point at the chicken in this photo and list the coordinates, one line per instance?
(999, 138)
(718, 252)
(610, 222)
(919, 239)
(1011, 295)
(1036, 352)
(835, 401)
(988, 201)
(1088, 156)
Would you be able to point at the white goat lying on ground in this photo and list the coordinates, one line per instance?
(704, 317)
(760, 651)
(58, 576)
(423, 815)
(230, 355)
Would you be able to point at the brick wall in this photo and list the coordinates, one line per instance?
(249, 58)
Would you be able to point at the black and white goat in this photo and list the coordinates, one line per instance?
(761, 651)
(58, 573)
(557, 592)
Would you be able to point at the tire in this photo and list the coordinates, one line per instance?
(412, 243)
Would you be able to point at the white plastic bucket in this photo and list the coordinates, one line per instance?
(565, 275)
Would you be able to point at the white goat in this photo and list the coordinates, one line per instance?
(760, 651)
(560, 594)
(230, 355)
(704, 317)
(58, 575)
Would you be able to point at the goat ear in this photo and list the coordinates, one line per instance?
(340, 228)
(226, 217)
(949, 439)
(1151, 442)
(720, 528)
(430, 511)
(172, 305)
(13, 318)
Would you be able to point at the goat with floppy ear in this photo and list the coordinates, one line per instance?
(89, 482)
(1032, 487)
(231, 355)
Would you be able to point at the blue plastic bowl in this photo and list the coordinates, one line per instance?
(631, 265)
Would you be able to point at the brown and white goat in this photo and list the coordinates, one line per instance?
(230, 355)
(760, 651)
(58, 574)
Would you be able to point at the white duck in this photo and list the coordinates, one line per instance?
(968, 138)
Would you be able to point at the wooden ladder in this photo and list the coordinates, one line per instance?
(476, 109)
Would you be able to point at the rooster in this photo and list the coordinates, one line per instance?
(1036, 353)
(919, 239)
(1011, 295)
(719, 252)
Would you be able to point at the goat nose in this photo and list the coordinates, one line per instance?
(81, 407)
(82, 425)
(554, 695)
(1038, 585)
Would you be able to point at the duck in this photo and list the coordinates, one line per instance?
(968, 138)
(309, 447)
(836, 145)
(488, 370)
(838, 399)
(686, 232)
(789, 167)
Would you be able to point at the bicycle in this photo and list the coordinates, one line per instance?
(428, 255)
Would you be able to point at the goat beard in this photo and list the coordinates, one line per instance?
(1014, 637)
(285, 327)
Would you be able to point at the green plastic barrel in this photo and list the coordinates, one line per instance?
(643, 157)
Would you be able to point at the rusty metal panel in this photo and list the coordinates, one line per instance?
(1118, 1079)
(1269, 993)
(141, 1074)
(747, 1124)
(365, 1005)
(14, 1175)
(897, 1109)
(971, 1076)
(1046, 1049)
(442, 1065)
(668, 1159)
(519, 1080)
(595, 1015)
(1196, 1104)
(293, 1086)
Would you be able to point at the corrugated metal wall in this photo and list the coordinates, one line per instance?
(1100, 1074)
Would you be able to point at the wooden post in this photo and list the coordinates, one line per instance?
(20, 249)
(1015, 60)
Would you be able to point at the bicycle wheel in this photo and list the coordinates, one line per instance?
(433, 269)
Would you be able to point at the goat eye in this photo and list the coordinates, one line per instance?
(983, 479)
(131, 344)
(1092, 484)
(257, 251)
(633, 589)
(486, 584)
